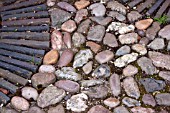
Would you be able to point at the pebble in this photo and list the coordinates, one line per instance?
(104, 56)
(57, 109)
(116, 6)
(133, 16)
(68, 73)
(93, 46)
(51, 3)
(130, 102)
(46, 69)
(68, 85)
(59, 16)
(125, 59)
(69, 26)
(143, 24)
(97, 92)
(139, 48)
(115, 85)
(78, 39)
(142, 110)
(111, 102)
(84, 26)
(157, 43)
(98, 9)
(57, 40)
(110, 40)
(164, 32)
(102, 71)
(121, 28)
(165, 75)
(20, 103)
(149, 100)
(160, 59)
(67, 39)
(152, 31)
(117, 15)
(123, 50)
(147, 66)
(121, 109)
(80, 15)
(131, 87)
(42, 79)
(50, 96)
(168, 47)
(101, 20)
(51, 57)
(152, 85)
(92, 82)
(82, 57)
(129, 38)
(29, 93)
(87, 68)
(81, 4)
(144, 41)
(35, 109)
(98, 109)
(130, 70)
(65, 58)
(141, 33)
(96, 33)
(77, 103)
(163, 99)
(66, 6)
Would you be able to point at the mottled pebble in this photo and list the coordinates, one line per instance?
(101, 20)
(130, 70)
(116, 6)
(69, 26)
(81, 4)
(164, 32)
(133, 16)
(139, 48)
(129, 38)
(148, 99)
(143, 24)
(84, 26)
(80, 15)
(87, 68)
(115, 85)
(110, 40)
(93, 82)
(29, 93)
(165, 75)
(57, 109)
(93, 46)
(98, 109)
(163, 99)
(152, 31)
(101, 71)
(104, 56)
(98, 9)
(121, 109)
(78, 39)
(142, 110)
(157, 43)
(35, 109)
(46, 69)
(66, 6)
(51, 57)
(123, 50)
(117, 15)
(111, 102)
(130, 102)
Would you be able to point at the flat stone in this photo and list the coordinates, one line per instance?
(57, 109)
(65, 58)
(130, 102)
(101, 20)
(68, 73)
(101, 71)
(123, 50)
(50, 96)
(142, 110)
(139, 48)
(69, 26)
(125, 59)
(143, 24)
(77, 103)
(78, 39)
(46, 69)
(92, 82)
(144, 41)
(117, 15)
(163, 99)
(121, 109)
(82, 57)
(129, 38)
(147, 66)
(29, 93)
(151, 32)
(152, 85)
(93, 46)
(98, 109)
(81, 4)
(35, 109)
(84, 26)
(51, 57)
(164, 32)
(97, 92)
(50, 3)
(67, 40)
(68, 85)
(160, 60)
(98, 9)
(20, 103)
(80, 15)
(57, 40)
(157, 43)
(104, 56)
(66, 6)
(131, 87)
(165, 75)
(115, 85)
(110, 40)
(96, 33)
(87, 68)
(133, 16)
(116, 6)
(111, 102)
(149, 100)
(59, 16)
(130, 70)
(42, 79)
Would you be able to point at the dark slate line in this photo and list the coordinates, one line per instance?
(134, 3)
(3, 98)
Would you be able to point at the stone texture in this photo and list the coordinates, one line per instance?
(117, 15)
(57, 109)
(163, 99)
(51, 57)
(101, 71)
(81, 4)
(164, 32)
(46, 69)
(104, 56)
(29, 93)
(78, 39)
(133, 16)
(110, 40)
(80, 15)
(93, 46)
(144, 41)
(50, 96)
(157, 43)
(42, 79)
(84, 26)
(96, 33)
(149, 100)
(50, 3)
(116, 6)
(114, 82)
(69, 26)
(139, 48)
(111, 102)
(92, 82)
(101, 20)
(57, 40)
(121, 109)
(98, 9)
(35, 109)
(168, 47)
(165, 75)
(67, 39)
(131, 87)
(66, 6)
(98, 109)
(87, 68)
(151, 32)
(143, 24)
(129, 38)
(130, 70)
(142, 110)
(130, 102)
(123, 50)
